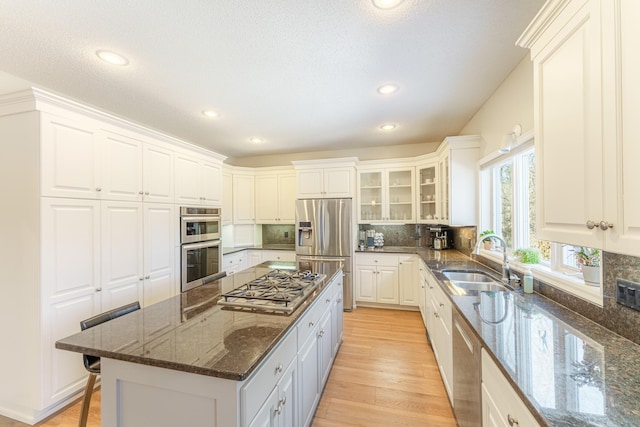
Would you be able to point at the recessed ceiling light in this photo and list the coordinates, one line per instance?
(211, 114)
(256, 140)
(386, 4)
(388, 127)
(388, 89)
(112, 57)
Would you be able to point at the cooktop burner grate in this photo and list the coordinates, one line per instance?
(278, 290)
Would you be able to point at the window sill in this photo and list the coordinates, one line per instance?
(564, 282)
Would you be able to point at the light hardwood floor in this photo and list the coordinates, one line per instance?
(385, 374)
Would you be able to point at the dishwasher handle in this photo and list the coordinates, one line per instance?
(465, 337)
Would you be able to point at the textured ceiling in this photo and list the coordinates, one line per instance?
(302, 74)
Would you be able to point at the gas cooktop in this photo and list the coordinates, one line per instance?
(277, 291)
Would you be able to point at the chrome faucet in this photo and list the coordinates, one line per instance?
(506, 273)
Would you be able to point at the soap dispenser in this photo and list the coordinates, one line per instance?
(527, 281)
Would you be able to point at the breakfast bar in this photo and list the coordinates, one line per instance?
(190, 358)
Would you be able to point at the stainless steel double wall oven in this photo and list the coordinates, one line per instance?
(201, 249)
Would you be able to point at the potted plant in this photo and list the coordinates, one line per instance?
(528, 255)
(589, 261)
(490, 243)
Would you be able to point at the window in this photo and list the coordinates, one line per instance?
(508, 206)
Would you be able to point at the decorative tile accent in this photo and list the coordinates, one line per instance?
(274, 234)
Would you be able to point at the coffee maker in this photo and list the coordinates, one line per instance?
(439, 237)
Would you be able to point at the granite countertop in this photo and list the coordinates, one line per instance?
(191, 333)
(567, 369)
(226, 250)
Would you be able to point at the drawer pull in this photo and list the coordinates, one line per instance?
(279, 368)
(327, 300)
(321, 333)
(311, 324)
(512, 421)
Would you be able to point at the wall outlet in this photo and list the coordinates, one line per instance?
(286, 234)
(628, 293)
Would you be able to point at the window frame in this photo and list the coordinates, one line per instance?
(554, 271)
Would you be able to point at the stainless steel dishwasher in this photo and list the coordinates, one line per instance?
(467, 396)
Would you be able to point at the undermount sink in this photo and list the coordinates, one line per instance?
(462, 282)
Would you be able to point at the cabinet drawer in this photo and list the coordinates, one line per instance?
(309, 322)
(377, 259)
(257, 388)
(497, 389)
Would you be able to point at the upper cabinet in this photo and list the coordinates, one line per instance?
(586, 95)
(446, 182)
(334, 178)
(275, 197)
(386, 195)
(243, 199)
(227, 198)
(198, 180)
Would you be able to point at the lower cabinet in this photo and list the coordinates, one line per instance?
(271, 255)
(439, 324)
(377, 278)
(501, 406)
(407, 279)
(292, 394)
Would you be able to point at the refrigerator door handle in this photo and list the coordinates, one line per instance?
(302, 258)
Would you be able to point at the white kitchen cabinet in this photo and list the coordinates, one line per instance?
(122, 253)
(70, 151)
(275, 198)
(227, 198)
(308, 377)
(157, 173)
(585, 71)
(137, 254)
(440, 332)
(70, 288)
(386, 195)
(74, 164)
(501, 406)
(121, 172)
(424, 294)
(377, 278)
(254, 257)
(243, 199)
(428, 196)
(276, 255)
(234, 262)
(337, 317)
(325, 342)
(408, 280)
(198, 180)
(334, 178)
(279, 410)
(161, 280)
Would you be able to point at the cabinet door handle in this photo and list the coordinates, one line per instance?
(141, 278)
(512, 421)
(604, 225)
(279, 368)
(146, 193)
(327, 300)
(141, 192)
(590, 224)
(98, 189)
(441, 305)
(98, 289)
(311, 324)
(321, 333)
(147, 277)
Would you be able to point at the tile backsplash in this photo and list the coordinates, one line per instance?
(278, 234)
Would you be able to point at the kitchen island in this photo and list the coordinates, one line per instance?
(188, 358)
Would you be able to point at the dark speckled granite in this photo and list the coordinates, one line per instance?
(191, 333)
(267, 246)
(568, 370)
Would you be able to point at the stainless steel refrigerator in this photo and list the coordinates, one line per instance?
(323, 235)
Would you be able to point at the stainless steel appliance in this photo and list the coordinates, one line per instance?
(467, 395)
(440, 237)
(200, 224)
(324, 234)
(280, 291)
(201, 249)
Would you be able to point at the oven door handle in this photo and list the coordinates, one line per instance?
(200, 218)
(201, 245)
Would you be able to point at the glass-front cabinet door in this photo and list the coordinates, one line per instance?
(400, 195)
(386, 195)
(428, 194)
(443, 189)
(370, 196)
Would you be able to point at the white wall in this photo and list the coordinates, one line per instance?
(370, 153)
(510, 104)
